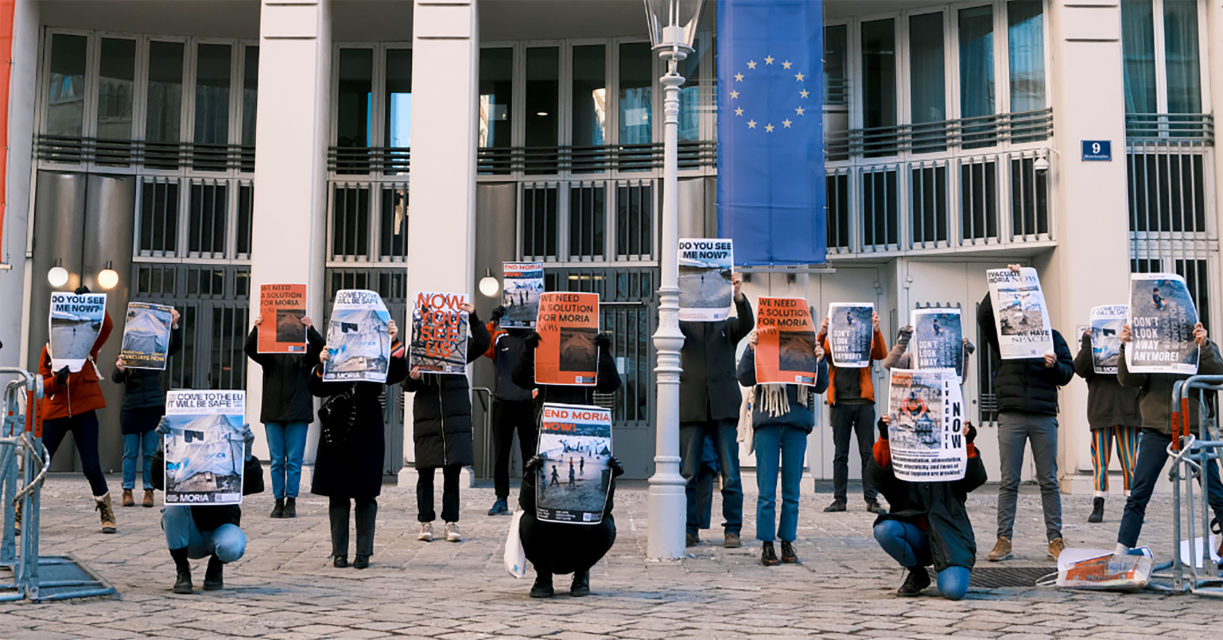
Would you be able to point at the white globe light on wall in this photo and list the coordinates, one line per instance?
(489, 285)
(108, 278)
(57, 275)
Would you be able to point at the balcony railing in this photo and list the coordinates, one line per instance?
(530, 160)
(150, 155)
(1175, 128)
(934, 137)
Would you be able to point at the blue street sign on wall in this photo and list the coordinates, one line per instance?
(1097, 150)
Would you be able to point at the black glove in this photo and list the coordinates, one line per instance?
(972, 433)
(603, 341)
(533, 465)
(616, 467)
(497, 313)
(883, 430)
(61, 376)
(81, 290)
(533, 340)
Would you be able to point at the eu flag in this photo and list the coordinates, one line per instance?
(771, 131)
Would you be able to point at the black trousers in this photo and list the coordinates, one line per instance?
(84, 430)
(857, 420)
(337, 512)
(450, 493)
(510, 417)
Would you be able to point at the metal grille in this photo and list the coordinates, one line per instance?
(928, 200)
(1196, 273)
(968, 133)
(635, 220)
(987, 400)
(879, 217)
(1167, 190)
(1029, 200)
(246, 206)
(158, 217)
(138, 153)
(393, 224)
(349, 221)
(540, 222)
(979, 200)
(587, 221)
(1180, 126)
(206, 220)
(1002, 577)
(837, 221)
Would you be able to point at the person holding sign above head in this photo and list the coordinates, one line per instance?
(1112, 414)
(513, 408)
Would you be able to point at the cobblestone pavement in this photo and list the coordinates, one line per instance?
(285, 587)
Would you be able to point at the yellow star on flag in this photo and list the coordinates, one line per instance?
(735, 94)
(800, 111)
(804, 93)
(786, 64)
(751, 124)
(739, 111)
(768, 128)
(799, 77)
(768, 59)
(751, 64)
(786, 122)
(738, 77)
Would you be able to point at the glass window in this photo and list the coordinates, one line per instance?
(207, 208)
(878, 74)
(116, 77)
(66, 88)
(212, 94)
(589, 96)
(164, 114)
(250, 95)
(354, 101)
(398, 98)
(928, 101)
(976, 62)
(496, 103)
(543, 77)
(691, 104)
(1138, 55)
(836, 74)
(1026, 49)
(636, 95)
(1181, 51)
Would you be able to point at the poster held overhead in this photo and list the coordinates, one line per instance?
(1161, 319)
(705, 290)
(575, 443)
(851, 333)
(568, 327)
(282, 307)
(75, 323)
(205, 450)
(146, 336)
(523, 282)
(1106, 322)
(358, 341)
(938, 340)
(439, 333)
(927, 421)
(1020, 315)
(785, 342)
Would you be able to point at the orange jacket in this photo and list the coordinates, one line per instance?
(879, 351)
(81, 391)
(494, 330)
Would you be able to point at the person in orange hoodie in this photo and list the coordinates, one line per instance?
(851, 400)
(69, 405)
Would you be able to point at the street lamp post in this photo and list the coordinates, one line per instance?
(672, 29)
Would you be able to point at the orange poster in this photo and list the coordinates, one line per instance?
(568, 324)
(785, 342)
(282, 307)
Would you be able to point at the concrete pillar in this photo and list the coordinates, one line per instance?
(1090, 263)
(292, 128)
(1212, 97)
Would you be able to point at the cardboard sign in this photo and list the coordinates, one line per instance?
(785, 342)
(75, 324)
(146, 336)
(568, 325)
(1161, 318)
(575, 443)
(439, 333)
(705, 289)
(205, 452)
(522, 284)
(282, 307)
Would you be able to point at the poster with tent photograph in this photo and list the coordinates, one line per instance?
(522, 284)
(358, 338)
(76, 321)
(1020, 315)
(575, 444)
(205, 451)
(146, 335)
(1106, 323)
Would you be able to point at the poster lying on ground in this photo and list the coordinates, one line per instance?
(1020, 315)
(851, 333)
(938, 340)
(1161, 318)
(926, 433)
(358, 341)
(705, 290)
(785, 342)
(439, 333)
(204, 450)
(76, 321)
(146, 336)
(1106, 322)
(576, 447)
(282, 307)
(568, 327)
(522, 284)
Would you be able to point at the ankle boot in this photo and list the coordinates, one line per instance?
(787, 553)
(543, 586)
(768, 557)
(148, 498)
(106, 512)
(1097, 510)
(278, 511)
(182, 581)
(290, 510)
(128, 500)
(581, 584)
(214, 578)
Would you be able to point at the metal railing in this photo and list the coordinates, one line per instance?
(1196, 128)
(932, 137)
(140, 153)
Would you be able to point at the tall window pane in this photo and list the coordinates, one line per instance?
(1181, 51)
(250, 95)
(692, 100)
(543, 77)
(928, 100)
(116, 77)
(976, 62)
(636, 91)
(1138, 54)
(164, 114)
(354, 98)
(398, 98)
(836, 65)
(496, 104)
(66, 88)
(589, 96)
(1026, 48)
(212, 94)
(878, 73)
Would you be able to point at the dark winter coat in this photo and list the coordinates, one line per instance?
(286, 393)
(708, 389)
(935, 507)
(607, 380)
(143, 388)
(354, 469)
(1155, 389)
(441, 410)
(1108, 403)
(1027, 385)
(558, 547)
(799, 416)
(505, 350)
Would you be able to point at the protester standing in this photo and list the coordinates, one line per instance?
(513, 409)
(1112, 414)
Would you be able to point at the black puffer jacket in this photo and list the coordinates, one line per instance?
(1108, 403)
(441, 410)
(607, 379)
(708, 389)
(1026, 386)
(286, 392)
(143, 388)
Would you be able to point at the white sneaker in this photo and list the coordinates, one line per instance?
(452, 532)
(426, 532)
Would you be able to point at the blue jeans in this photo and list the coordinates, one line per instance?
(787, 444)
(1152, 454)
(286, 446)
(143, 445)
(691, 440)
(910, 546)
(226, 542)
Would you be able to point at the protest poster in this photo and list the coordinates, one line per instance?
(1161, 318)
(205, 451)
(575, 444)
(785, 342)
(522, 282)
(358, 341)
(1020, 315)
(938, 340)
(851, 333)
(282, 307)
(76, 321)
(926, 433)
(146, 336)
(439, 333)
(1106, 322)
(705, 290)
(568, 326)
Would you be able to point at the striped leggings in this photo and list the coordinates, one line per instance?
(1101, 452)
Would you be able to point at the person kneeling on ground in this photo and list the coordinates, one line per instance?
(927, 523)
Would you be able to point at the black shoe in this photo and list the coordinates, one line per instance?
(873, 507)
(691, 539)
(917, 580)
(362, 562)
(581, 584)
(214, 578)
(290, 510)
(768, 557)
(500, 508)
(787, 553)
(837, 505)
(339, 562)
(278, 511)
(543, 586)
(1097, 510)
(182, 581)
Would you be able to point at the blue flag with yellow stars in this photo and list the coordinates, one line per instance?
(771, 131)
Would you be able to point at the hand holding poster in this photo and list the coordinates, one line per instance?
(938, 341)
(705, 267)
(1020, 315)
(1161, 318)
(146, 336)
(205, 450)
(785, 342)
(568, 327)
(926, 429)
(358, 338)
(439, 333)
(282, 308)
(573, 481)
(76, 321)
(1106, 322)
(851, 333)
(523, 282)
